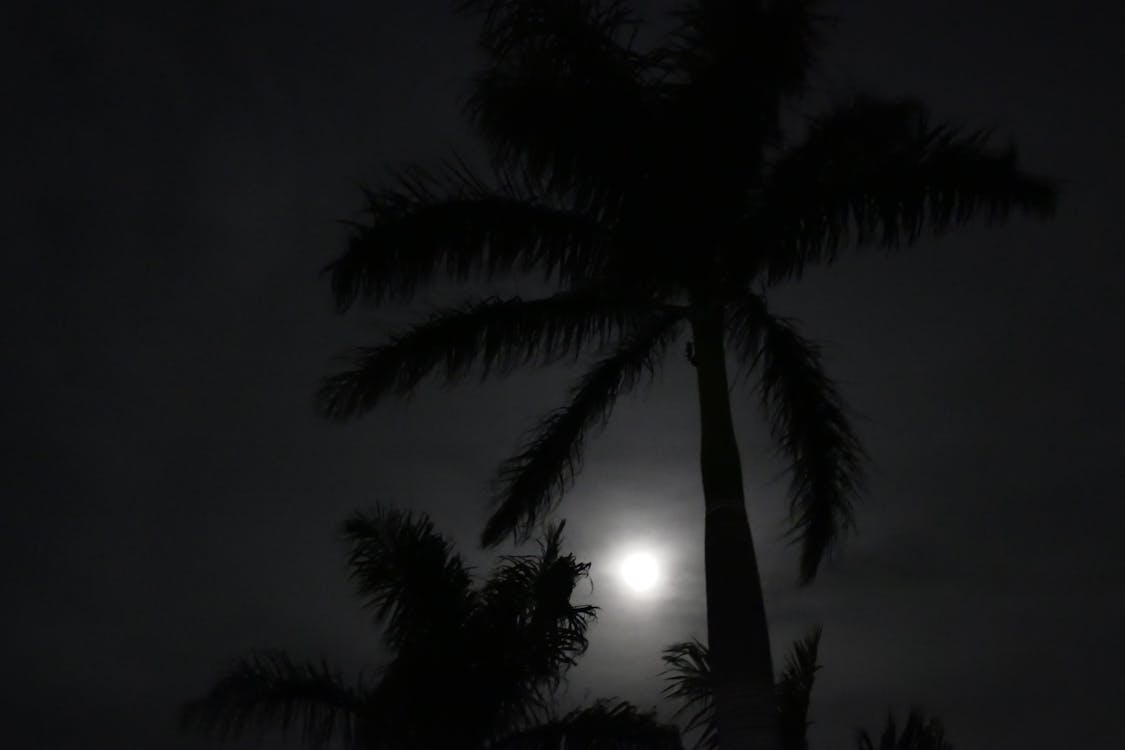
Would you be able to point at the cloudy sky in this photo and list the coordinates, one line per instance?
(174, 175)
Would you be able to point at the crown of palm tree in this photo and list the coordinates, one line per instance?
(653, 188)
(472, 666)
(919, 733)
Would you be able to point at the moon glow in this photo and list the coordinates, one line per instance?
(640, 571)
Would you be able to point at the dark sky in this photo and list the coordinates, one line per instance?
(173, 175)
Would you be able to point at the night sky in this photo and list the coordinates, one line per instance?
(172, 187)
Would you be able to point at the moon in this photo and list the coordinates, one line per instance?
(640, 571)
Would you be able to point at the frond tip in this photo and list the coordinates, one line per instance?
(532, 482)
(810, 424)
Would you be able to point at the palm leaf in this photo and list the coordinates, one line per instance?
(688, 672)
(408, 574)
(582, 138)
(529, 627)
(763, 46)
(496, 334)
(269, 691)
(449, 222)
(876, 171)
(919, 733)
(562, 96)
(566, 28)
(533, 593)
(794, 690)
(531, 483)
(809, 423)
(605, 725)
(737, 61)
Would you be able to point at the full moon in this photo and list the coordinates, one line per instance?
(639, 571)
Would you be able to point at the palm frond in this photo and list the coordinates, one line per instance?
(450, 223)
(532, 482)
(919, 733)
(496, 334)
(737, 62)
(408, 574)
(269, 691)
(810, 424)
(875, 171)
(527, 632)
(527, 601)
(565, 27)
(581, 139)
(756, 48)
(794, 690)
(562, 96)
(688, 672)
(605, 725)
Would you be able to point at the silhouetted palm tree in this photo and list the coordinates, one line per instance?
(691, 684)
(605, 725)
(656, 190)
(919, 733)
(472, 667)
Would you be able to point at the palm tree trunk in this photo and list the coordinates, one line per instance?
(737, 631)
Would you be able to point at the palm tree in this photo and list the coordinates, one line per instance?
(691, 683)
(919, 733)
(472, 667)
(655, 190)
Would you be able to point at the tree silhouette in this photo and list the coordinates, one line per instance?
(919, 733)
(690, 682)
(656, 190)
(472, 667)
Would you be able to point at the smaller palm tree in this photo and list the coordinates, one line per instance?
(473, 667)
(690, 683)
(919, 733)
(605, 725)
